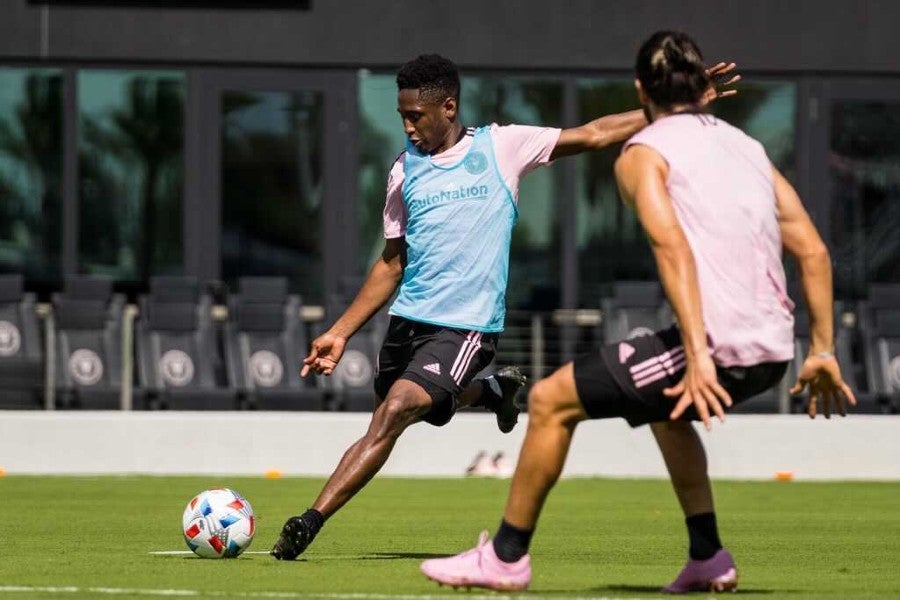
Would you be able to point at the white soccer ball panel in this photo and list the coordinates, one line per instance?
(218, 523)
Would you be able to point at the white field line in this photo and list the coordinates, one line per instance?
(287, 595)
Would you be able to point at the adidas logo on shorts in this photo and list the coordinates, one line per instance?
(433, 368)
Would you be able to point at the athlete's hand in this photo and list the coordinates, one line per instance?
(700, 387)
(826, 386)
(721, 77)
(324, 354)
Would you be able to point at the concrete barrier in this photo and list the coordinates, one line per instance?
(250, 443)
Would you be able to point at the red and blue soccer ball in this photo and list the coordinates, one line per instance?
(218, 523)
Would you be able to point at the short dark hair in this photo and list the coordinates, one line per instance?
(671, 70)
(436, 77)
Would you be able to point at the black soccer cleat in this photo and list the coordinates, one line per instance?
(511, 381)
(295, 536)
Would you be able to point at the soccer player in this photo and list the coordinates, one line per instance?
(448, 219)
(717, 214)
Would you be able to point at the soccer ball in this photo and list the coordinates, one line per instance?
(218, 523)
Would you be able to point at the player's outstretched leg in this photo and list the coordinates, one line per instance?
(480, 567)
(499, 396)
(405, 404)
(716, 574)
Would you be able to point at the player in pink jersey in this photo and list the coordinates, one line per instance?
(717, 214)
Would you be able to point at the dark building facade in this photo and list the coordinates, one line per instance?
(223, 139)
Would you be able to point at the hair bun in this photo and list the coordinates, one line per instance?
(670, 68)
(679, 58)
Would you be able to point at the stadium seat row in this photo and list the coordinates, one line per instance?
(175, 350)
(92, 351)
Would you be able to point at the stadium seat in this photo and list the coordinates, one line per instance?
(21, 352)
(265, 342)
(880, 324)
(87, 321)
(635, 308)
(179, 364)
(351, 386)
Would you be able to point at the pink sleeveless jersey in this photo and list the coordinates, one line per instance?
(722, 186)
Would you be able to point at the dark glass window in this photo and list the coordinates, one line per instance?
(272, 187)
(130, 152)
(864, 171)
(31, 144)
(381, 139)
(611, 243)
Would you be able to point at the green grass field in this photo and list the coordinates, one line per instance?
(91, 537)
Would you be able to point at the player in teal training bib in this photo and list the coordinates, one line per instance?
(448, 220)
(457, 241)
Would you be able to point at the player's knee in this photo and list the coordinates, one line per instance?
(543, 406)
(549, 404)
(399, 412)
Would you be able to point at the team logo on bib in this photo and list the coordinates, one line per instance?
(176, 368)
(85, 367)
(354, 369)
(266, 368)
(475, 162)
(10, 340)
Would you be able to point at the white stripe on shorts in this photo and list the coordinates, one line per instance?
(474, 343)
(661, 365)
(669, 368)
(654, 361)
(462, 352)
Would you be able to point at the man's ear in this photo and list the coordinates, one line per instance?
(450, 108)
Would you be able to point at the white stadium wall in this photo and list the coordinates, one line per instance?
(249, 443)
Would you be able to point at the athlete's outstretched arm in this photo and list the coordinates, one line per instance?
(820, 369)
(641, 174)
(599, 133)
(381, 283)
(616, 128)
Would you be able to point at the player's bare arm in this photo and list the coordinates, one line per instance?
(380, 284)
(613, 129)
(820, 370)
(641, 174)
(599, 133)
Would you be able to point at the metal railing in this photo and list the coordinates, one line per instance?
(540, 342)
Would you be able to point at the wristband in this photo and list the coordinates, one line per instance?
(824, 355)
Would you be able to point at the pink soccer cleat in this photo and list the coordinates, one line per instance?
(480, 567)
(715, 574)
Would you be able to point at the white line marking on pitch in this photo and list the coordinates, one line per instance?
(186, 552)
(350, 596)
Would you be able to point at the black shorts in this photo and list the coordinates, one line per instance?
(442, 360)
(627, 379)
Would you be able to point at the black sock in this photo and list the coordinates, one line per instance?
(314, 519)
(511, 543)
(488, 399)
(704, 535)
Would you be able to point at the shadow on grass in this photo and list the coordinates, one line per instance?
(402, 555)
(655, 589)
